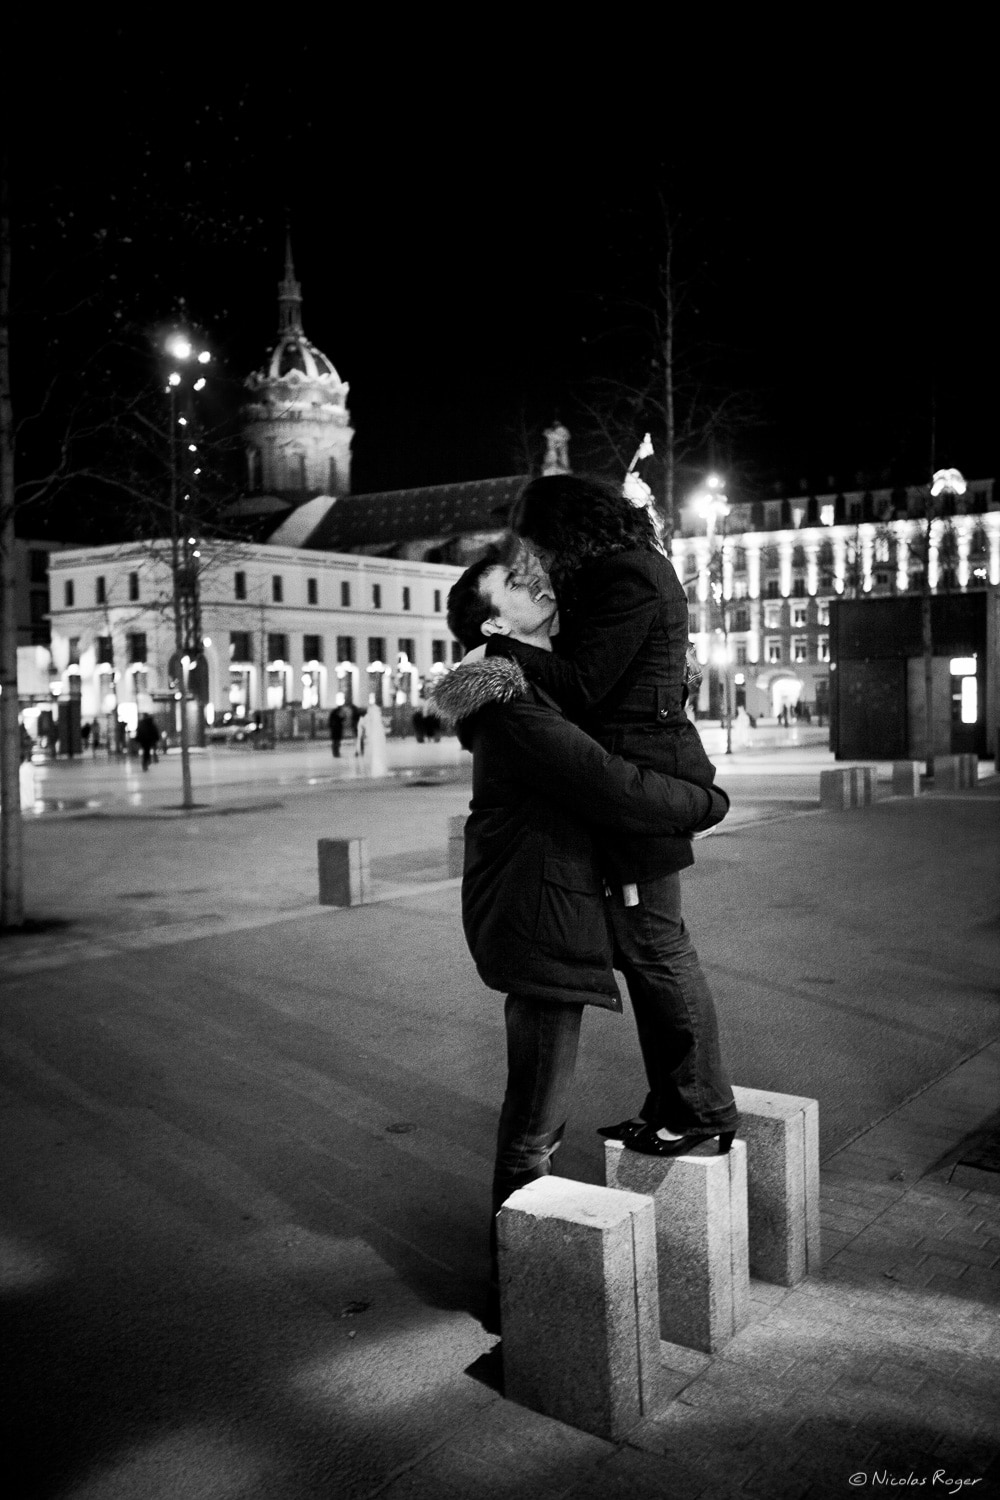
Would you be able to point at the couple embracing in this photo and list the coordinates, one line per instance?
(589, 783)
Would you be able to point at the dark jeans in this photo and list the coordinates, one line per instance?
(542, 1040)
(674, 1011)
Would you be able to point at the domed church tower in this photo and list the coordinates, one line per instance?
(296, 423)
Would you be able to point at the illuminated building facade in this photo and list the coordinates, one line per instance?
(760, 587)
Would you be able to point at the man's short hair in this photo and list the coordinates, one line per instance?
(468, 606)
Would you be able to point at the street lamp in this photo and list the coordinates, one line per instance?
(947, 483)
(184, 554)
(711, 504)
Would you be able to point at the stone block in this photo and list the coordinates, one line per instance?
(947, 773)
(906, 778)
(781, 1132)
(578, 1304)
(456, 845)
(343, 872)
(862, 786)
(836, 789)
(701, 1238)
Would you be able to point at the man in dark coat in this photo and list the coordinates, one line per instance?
(147, 738)
(533, 905)
(335, 724)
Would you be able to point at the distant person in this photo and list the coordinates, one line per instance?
(85, 735)
(335, 724)
(432, 724)
(148, 739)
(121, 737)
(420, 709)
(95, 737)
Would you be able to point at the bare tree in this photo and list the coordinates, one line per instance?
(11, 834)
(671, 393)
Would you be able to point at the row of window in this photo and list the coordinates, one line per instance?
(240, 592)
(100, 590)
(135, 649)
(241, 648)
(312, 592)
(739, 617)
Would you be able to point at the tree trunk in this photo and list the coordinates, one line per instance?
(11, 830)
(670, 435)
(927, 633)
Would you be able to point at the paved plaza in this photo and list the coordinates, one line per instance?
(248, 1142)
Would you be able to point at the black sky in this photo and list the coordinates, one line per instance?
(474, 220)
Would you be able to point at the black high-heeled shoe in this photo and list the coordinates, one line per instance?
(649, 1143)
(622, 1130)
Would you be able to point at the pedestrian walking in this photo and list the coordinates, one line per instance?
(147, 737)
(335, 724)
(619, 672)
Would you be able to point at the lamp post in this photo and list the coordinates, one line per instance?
(944, 482)
(712, 505)
(183, 356)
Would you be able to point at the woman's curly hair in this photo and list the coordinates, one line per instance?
(576, 519)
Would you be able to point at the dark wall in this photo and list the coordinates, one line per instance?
(871, 641)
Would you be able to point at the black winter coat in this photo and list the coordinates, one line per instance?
(618, 671)
(532, 892)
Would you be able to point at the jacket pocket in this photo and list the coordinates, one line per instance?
(572, 922)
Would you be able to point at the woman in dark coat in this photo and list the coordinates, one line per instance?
(619, 671)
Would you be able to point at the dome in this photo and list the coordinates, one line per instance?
(294, 354)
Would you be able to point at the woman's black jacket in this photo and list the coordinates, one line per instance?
(532, 891)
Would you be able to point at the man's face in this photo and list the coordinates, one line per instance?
(523, 602)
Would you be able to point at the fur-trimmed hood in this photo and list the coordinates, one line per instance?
(476, 684)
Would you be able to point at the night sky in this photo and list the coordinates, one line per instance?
(475, 222)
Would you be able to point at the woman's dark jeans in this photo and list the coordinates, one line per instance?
(674, 1011)
(542, 1040)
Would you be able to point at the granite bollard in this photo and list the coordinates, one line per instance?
(701, 1237)
(578, 1304)
(343, 872)
(456, 845)
(781, 1132)
(862, 786)
(836, 789)
(906, 778)
(955, 773)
